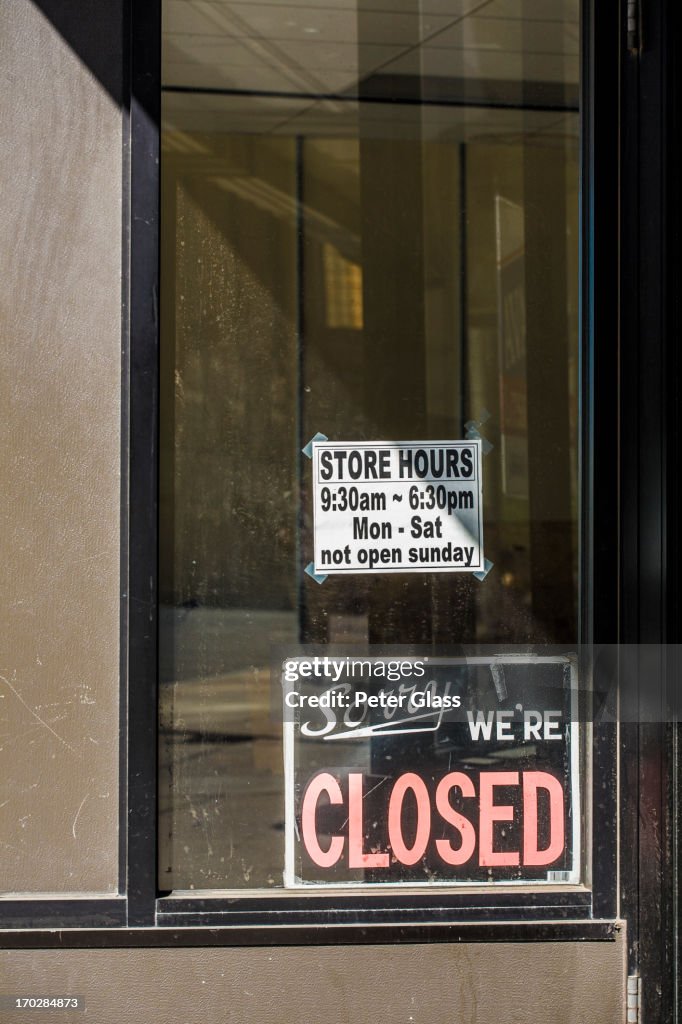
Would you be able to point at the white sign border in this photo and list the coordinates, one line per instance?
(335, 570)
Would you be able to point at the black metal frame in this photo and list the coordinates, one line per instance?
(600, 419)
(143, 503)
(455, 908)
(650, 566)
(303, 935)
(627, 161)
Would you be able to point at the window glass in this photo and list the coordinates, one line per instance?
(369, 230)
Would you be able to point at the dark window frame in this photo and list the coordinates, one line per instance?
(451, 907)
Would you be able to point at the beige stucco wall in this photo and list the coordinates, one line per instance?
(544, 983)
(60, 357)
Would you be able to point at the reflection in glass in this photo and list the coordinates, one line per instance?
(369, 229)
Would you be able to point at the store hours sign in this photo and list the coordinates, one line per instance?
(399, 506)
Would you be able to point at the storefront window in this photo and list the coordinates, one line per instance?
(369, 231)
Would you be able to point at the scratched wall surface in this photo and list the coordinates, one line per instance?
(60, 267)
(542, 983)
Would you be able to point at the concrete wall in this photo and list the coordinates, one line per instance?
(60, 381)
(543, 983)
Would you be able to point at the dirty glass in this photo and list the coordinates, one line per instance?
(369, 230)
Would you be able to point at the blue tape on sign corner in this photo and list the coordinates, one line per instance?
(308, 450)
(482, 573)
(474, 434)
(319, 577)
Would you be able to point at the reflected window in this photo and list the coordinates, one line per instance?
(369, 229)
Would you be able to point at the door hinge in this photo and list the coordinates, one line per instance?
(634, 998)
(633, 16)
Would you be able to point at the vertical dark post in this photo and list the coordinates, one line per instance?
(391, 196)
(463, 289)
(550, 467)
(301, 589)
(143, 213)
(600, 543)
(547, 341)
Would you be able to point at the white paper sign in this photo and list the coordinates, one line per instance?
(397, 506)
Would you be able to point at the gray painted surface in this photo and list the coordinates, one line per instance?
(60, 323)
(543, 983)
